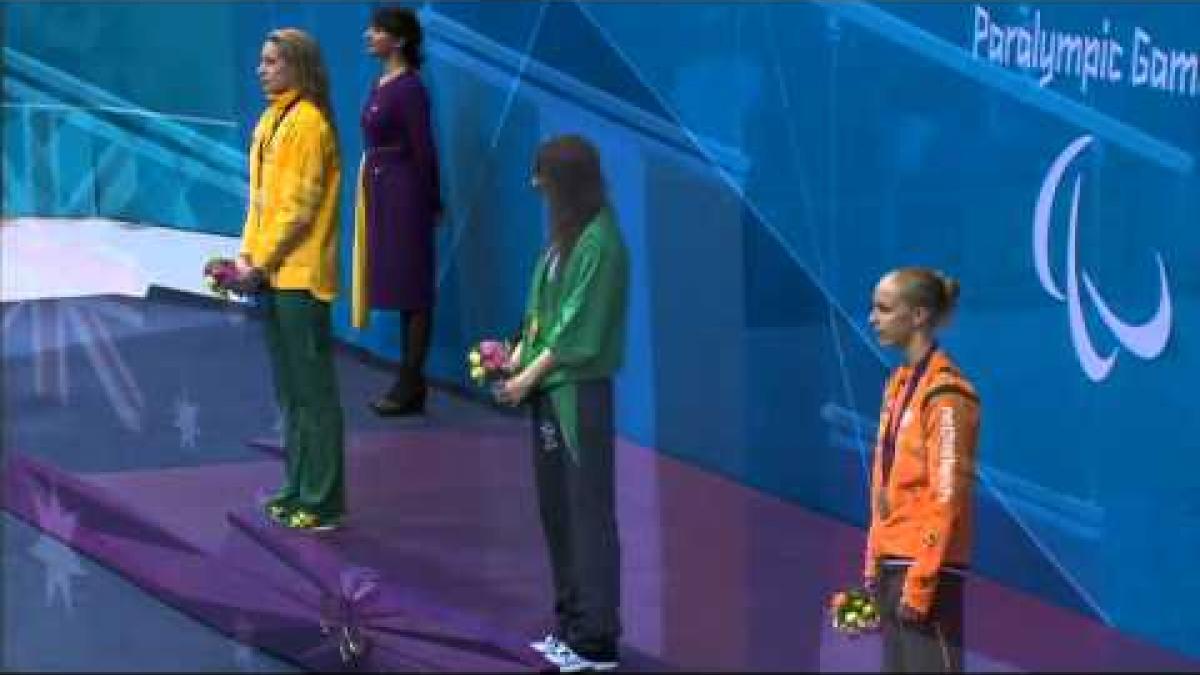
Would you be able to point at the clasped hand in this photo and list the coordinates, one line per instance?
(512, 390)
(248, 280)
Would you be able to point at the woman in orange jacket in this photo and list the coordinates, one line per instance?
(918, 543)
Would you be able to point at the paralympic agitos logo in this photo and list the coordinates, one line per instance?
(1145, 340)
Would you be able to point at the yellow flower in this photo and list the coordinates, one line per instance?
(474, 358)
(477, 373)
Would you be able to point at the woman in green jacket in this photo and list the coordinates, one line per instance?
(572, 344)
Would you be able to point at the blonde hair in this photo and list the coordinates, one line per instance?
(929, 288)
(303, 56)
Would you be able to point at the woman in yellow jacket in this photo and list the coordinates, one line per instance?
(289, 251)
(918, 544)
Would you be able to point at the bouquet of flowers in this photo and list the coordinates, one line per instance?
(486, 361)
(853, 612)
(222, 277)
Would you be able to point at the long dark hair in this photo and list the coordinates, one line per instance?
(402, 24)
(567, 170)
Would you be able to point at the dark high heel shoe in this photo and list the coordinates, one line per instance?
(406, 397)
(386, 407)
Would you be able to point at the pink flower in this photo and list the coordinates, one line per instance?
(487, 360)
(221, 270)
(493, 353)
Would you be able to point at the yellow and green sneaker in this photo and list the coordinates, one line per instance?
(303, 519)
(279, 510)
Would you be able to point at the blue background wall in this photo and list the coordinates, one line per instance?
(768, 161)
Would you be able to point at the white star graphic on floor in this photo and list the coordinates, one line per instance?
(186, 418)
(61, 563)
(244, 656)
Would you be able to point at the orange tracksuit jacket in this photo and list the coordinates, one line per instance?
(923, 512)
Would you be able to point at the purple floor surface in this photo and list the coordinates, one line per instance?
(440, 565)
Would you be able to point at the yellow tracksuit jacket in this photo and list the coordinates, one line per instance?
(295, 179)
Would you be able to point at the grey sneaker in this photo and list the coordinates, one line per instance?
(548, 643)
(570, 662)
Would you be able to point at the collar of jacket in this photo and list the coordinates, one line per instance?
(279, 101)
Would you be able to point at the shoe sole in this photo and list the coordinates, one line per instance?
(323, 527)
(397, 413)
(597, 667)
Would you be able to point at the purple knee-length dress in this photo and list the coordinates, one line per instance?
(402, 194)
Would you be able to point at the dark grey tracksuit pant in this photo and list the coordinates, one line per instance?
(931, 646)
(577, 503)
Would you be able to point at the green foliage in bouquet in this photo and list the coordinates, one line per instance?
(853, 612)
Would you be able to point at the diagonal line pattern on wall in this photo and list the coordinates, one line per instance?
(732, 184)
(481, 178)
(1049, 556)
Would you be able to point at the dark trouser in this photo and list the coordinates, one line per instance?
(931, 646)
(578, 510)
(300, 340)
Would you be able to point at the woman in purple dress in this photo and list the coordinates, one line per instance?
(398, 203)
